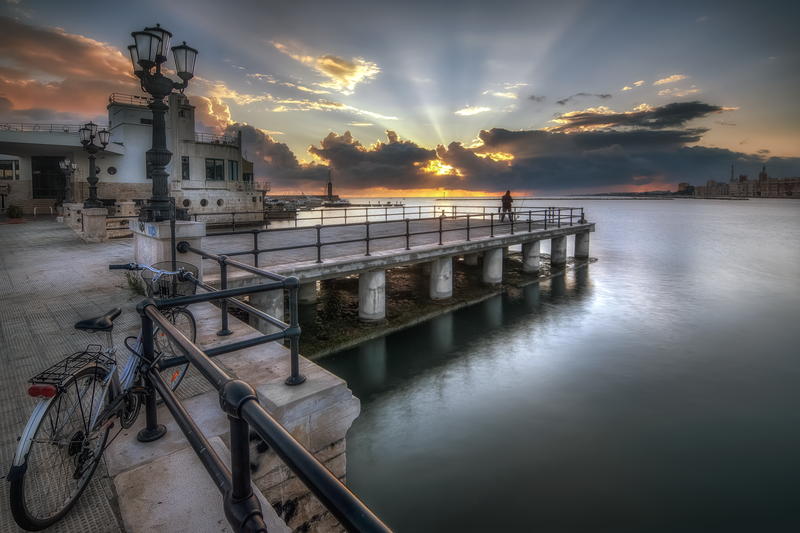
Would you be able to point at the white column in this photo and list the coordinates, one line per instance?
(441, 280)
(530, 256)
(152, 242)
(582, 245)
(271, 303)
(307, 293)
(94, 224)
(493, 265)
(372, 295)
(558, 252)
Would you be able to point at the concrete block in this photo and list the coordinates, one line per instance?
(372, 295)
(582, 245)
(531, 258)
(441, 278)
(493, 265)
(154, 497)
(558, 251)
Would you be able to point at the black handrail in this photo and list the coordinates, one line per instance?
(539, 216)
(240, 402)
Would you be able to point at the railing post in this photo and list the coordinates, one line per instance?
(367, 226)
(467, 227)
(293, 334)
(491, 224)
(223, 303)
(319, 243)
(570, 216)
(256, 251)
(441, 219)
(233, 221)
(408, 234)
(530, 221)
(153, 430)
(559, 217)
(511, 217)
(545, 217)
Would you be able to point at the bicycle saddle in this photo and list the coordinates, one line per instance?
(99, 323)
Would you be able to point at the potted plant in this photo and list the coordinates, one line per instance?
(15, 214)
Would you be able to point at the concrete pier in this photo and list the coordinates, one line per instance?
(372, 295)
(270, 302)
(493, 265)
(441, 280)
(558, 252)
(531, 260)
(582, 245)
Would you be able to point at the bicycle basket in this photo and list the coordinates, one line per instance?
(169, 285)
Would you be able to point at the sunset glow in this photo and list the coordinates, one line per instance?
(516, 95)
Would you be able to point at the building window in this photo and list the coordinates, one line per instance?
(9, 169)
(233, 170)
(247, 177)
(215, 169)
(184, 168)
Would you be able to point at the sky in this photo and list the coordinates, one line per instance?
(426, 98)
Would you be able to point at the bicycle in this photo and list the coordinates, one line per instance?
(81, 398)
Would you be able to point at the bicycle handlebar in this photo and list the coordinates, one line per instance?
(134, 266)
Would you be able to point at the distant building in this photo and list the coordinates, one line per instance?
(764, 187)
(207, 172)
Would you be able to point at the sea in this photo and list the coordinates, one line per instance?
(654, 390)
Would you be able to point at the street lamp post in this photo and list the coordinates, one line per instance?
(68, 168)
(150, 51)
(88, 135)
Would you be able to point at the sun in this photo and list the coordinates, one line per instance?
(437, 168)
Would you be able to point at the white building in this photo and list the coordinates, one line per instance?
(207, 172)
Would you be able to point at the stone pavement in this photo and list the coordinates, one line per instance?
(50, 279)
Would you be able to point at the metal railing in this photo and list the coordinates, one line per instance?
(240, 403)
(232, 215)
(213, 138)
(545, 218)
(129, 99)
(41, 128)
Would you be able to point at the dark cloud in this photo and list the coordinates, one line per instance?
(574, 96)
(536, 98)
(667, 116)
(396, 164)
(649, 146)
(724, 123)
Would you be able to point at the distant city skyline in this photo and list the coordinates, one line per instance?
(422, 98)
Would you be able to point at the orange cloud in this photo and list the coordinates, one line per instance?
(70, 73)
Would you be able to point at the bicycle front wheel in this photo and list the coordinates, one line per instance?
(184, 322)
(63, 455)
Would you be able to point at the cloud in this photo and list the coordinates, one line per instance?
(514, 96)
(574, 96)
(342, 75)
(626, 88)
(392, 163)
(643, 117)
(671, 79)
(678, 92)
(72, 74)
(472, 111)
(724, 123)
(536, 98)
(293, 104)
(639, 83)
(599, 148)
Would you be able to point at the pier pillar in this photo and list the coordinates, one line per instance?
(471, 259)
(426, 269)
(372, 295)
(94, 224)
(441, 280)
(558, 252)
(152, 242)
(307, 293)
(530, 256)
(493, 266)
(271, 303)
(505, 252)
(582, 245)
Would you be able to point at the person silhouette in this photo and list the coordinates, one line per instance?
(507, 201)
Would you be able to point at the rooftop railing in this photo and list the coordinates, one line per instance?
(129, 99)
(42, 128)
(212, 138)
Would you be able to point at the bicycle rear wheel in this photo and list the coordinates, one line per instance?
(64, 453)
(184, 322)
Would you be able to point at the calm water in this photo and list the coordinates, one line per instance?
(655, 390)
